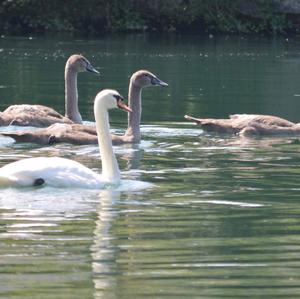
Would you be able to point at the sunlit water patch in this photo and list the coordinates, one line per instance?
(165, 130)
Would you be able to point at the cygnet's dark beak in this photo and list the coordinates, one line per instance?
(156, 81)
(91, 69)
(123, 106)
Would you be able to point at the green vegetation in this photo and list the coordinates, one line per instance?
(198, 16)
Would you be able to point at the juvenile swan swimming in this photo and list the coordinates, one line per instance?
(60, 172)
(43, 116)
(83, 134)
(248, 124)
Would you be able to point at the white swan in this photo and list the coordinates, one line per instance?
(43, 116)
(61, 172)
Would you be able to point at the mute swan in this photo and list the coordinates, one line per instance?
(43, 116)
(236, 123)
(60, 172)
(83, 134)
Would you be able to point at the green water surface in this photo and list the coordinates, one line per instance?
(198, 215)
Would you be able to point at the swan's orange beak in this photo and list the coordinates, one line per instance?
(123, 106)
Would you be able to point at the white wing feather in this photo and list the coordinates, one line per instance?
(56, 172)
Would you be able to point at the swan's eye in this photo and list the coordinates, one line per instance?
(118, 97)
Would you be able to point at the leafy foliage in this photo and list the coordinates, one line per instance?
(98, 16)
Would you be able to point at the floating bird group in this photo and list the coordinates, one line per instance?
(69, 128)
(78, 133)
(60, 172)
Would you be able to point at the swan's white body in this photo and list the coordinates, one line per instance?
(60, 172)
(56, 172)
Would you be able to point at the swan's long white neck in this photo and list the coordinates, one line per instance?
(110, 168)
(71, 95)
(134, 118)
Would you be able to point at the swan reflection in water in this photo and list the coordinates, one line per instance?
(102, 250)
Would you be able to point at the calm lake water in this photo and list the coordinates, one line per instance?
(198, 215)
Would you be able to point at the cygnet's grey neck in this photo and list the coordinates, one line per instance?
(71, 95)
(134, 118)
